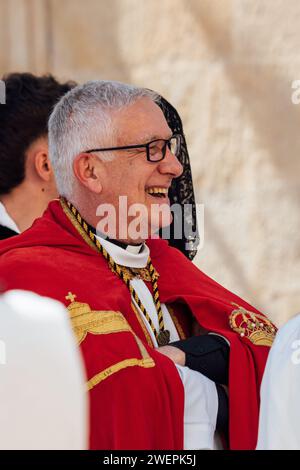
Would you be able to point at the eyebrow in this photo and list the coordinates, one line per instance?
(150, 138)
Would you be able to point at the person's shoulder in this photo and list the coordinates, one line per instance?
(288, 333)
(43, 238)
(26, 254)
(30, 268)
(24, 262)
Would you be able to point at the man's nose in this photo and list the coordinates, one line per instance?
(171, 165)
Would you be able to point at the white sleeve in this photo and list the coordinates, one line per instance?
(200, 409)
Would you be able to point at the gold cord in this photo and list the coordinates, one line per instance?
(162, 336)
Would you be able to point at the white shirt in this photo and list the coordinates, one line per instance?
(6, 220)
(201, 399)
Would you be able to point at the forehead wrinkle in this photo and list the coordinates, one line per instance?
(149, 137)
(143, 123)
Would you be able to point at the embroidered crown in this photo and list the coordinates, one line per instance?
(254, 326)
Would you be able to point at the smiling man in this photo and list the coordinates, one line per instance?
(129, 294)
(141, 173)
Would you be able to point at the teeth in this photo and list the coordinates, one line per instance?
(157, 190)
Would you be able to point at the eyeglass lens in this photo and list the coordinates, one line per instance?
(158, 150)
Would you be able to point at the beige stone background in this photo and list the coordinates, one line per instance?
(228, 67)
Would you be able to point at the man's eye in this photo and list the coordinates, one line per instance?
(153, 149)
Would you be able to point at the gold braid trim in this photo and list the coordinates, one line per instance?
(146, 363)
(76, 224)
(143, 350)
(156, 299)
(76, 219)
(176, 323)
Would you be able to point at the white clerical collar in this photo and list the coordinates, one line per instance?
(133, 256)
(6, 220)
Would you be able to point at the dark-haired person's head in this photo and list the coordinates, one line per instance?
(27, 181)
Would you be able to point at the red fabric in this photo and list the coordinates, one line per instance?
(135, 408)
(211, 304)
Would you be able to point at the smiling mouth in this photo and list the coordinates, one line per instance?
(157, 192)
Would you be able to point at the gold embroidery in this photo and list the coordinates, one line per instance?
(146, 363)
(84, 321)
(135, 273)
(254, 326)
(70, 297)
(143, 273)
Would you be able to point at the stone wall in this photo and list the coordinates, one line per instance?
(228, 66)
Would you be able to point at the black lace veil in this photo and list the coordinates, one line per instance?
(181, 193)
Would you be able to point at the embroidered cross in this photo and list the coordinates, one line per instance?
(71, 297)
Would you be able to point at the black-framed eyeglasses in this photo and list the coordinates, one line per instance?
(155, 150)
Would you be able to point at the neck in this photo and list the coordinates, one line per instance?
(122, 243)
(25, 204)
(88, 209)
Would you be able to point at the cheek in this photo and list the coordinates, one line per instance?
(129, 180)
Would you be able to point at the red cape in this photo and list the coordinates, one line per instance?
(136, 396)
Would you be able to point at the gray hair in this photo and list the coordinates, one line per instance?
(81, 119)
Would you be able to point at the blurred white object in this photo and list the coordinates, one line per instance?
(42, 384)
(280, 390)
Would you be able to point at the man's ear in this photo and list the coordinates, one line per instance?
(43, 166)
(41, 162)
(88, 169)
